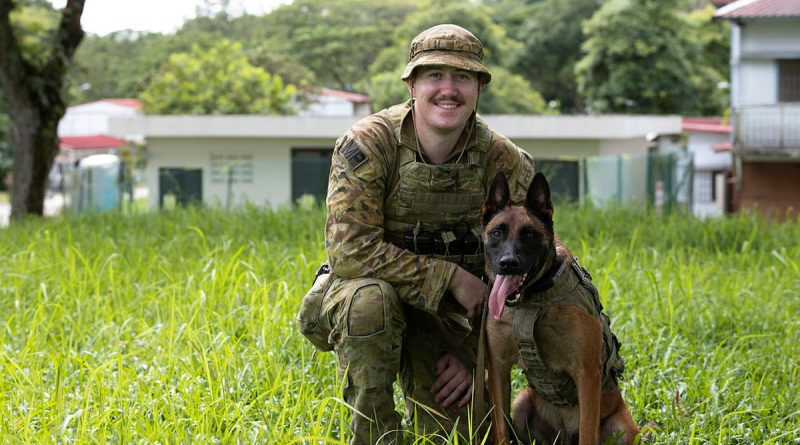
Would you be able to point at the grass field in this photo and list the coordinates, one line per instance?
(179, 327)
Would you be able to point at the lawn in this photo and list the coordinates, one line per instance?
(178, 327)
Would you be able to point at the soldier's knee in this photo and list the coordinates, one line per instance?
(374, 309)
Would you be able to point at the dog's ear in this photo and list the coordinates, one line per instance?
(538, 198)
(498, 198)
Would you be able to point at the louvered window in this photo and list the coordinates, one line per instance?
(789, 80)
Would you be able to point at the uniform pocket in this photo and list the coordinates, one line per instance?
(308, 317)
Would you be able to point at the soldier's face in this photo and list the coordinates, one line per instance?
(445, 97)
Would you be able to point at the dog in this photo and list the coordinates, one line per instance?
(547, 318)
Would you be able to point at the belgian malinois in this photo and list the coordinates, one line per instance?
(547, 318)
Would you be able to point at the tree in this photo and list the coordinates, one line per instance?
(6, 150)
(338, 40)
(639, 58)
(218, 80)
(506, 94)
(34, 88)
(551, 38)
(714, 39)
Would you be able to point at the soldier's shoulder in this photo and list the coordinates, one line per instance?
(373, 132)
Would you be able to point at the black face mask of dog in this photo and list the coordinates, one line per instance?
(518, 240)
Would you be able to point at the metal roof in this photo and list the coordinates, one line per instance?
(760, 8)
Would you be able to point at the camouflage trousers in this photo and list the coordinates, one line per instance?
(376, 338)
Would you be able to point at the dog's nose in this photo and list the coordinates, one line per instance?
(508, 262)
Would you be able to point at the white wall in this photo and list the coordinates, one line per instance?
(755, 47)
(92, 118)
(271, 166)
(758, 82)
(770, 36)
(705, 158)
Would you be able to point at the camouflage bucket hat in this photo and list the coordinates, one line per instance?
(449, 45)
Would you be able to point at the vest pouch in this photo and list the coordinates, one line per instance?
(307, 320)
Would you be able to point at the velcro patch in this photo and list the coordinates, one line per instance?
(354, 154)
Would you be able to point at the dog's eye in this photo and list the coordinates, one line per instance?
(529, 234)
(496, 233)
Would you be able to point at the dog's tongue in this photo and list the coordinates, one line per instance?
(502, 288)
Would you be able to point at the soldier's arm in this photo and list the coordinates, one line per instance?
(354, 228)
(515, 162)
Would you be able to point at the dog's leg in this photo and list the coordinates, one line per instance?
(587, 376)
(572, 342)
(619, 421)
(528, 424)
(502, 354)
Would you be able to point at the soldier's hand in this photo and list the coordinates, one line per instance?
(469, 291)
(454, 382)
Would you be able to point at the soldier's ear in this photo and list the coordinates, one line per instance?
(498, 198)
(538, 197)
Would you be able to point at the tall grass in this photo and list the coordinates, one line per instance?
(178, 327)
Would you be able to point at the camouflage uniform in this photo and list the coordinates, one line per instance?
(397, 228)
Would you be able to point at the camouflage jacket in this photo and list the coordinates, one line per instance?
(364, 175)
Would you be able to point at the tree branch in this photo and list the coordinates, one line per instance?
(14, 68)
(68, 37)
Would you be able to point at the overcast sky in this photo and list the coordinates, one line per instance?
(104, 16)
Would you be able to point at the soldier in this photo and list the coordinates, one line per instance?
(402, 236)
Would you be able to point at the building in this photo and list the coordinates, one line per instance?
(335, 103)
(765, 100)
(229, 160)
(92, 118)
(708, 141)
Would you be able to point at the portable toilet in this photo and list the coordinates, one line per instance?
(99, 183)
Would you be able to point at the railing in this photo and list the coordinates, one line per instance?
(773, 129)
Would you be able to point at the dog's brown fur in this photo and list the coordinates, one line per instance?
(568, 338)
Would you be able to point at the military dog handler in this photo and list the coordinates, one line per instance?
(401, 292)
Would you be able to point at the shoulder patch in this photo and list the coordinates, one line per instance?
(354, 154)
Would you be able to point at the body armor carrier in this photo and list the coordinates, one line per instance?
(434, 210)
(572, 285)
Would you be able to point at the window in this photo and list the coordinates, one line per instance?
(789, 80)
(231, 168)
(704, 187)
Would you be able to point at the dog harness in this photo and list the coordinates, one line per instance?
(571, 285)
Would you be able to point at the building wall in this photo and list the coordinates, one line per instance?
(92, 118)
(581, 148)
(759, 82)
(705, 158)
(271, 166)
(776, 35)
(754, 70)
(771, 188)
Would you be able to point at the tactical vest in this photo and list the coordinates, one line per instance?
(434, 210)
(572, 285)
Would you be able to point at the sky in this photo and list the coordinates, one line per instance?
(105, 16)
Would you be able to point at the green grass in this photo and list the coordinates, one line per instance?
(178, 327)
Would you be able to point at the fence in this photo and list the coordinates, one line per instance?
(661, 179)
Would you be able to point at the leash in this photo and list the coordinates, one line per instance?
(478, 385)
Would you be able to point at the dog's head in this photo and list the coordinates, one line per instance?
(518, 240)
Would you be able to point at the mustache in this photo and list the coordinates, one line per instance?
(450, 98)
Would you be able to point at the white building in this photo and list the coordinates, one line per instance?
(708, 140)
(334, 103)
(92, 118)
(765, 97)
(274, 160)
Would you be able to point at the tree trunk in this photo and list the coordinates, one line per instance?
(35, 103)
(35, 137)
